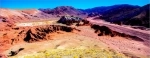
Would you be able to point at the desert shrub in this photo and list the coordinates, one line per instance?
(75, 53)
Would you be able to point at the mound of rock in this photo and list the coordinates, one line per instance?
(40, 33)
(69, 20)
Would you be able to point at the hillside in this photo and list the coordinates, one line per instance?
(123, 14)
(64, 10)
(142, 19)
(12, 15)
(8, 17)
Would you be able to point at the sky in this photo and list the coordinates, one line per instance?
(81, 4)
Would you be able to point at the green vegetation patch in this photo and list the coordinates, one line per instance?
(74, 53)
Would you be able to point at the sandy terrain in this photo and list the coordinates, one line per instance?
(83, 39)
(58, 41)
(121, 44)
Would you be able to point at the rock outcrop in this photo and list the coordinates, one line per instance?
(69, 20)
(40, 33)
(13, 53)
(103, 30)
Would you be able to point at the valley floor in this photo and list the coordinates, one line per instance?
(83, 39)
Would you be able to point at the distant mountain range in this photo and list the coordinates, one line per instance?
(119, 14)
(64, 10)
(124, 14)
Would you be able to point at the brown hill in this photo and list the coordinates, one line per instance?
(64, 10)
(10, 16)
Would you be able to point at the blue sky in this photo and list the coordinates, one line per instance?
(83, 4)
